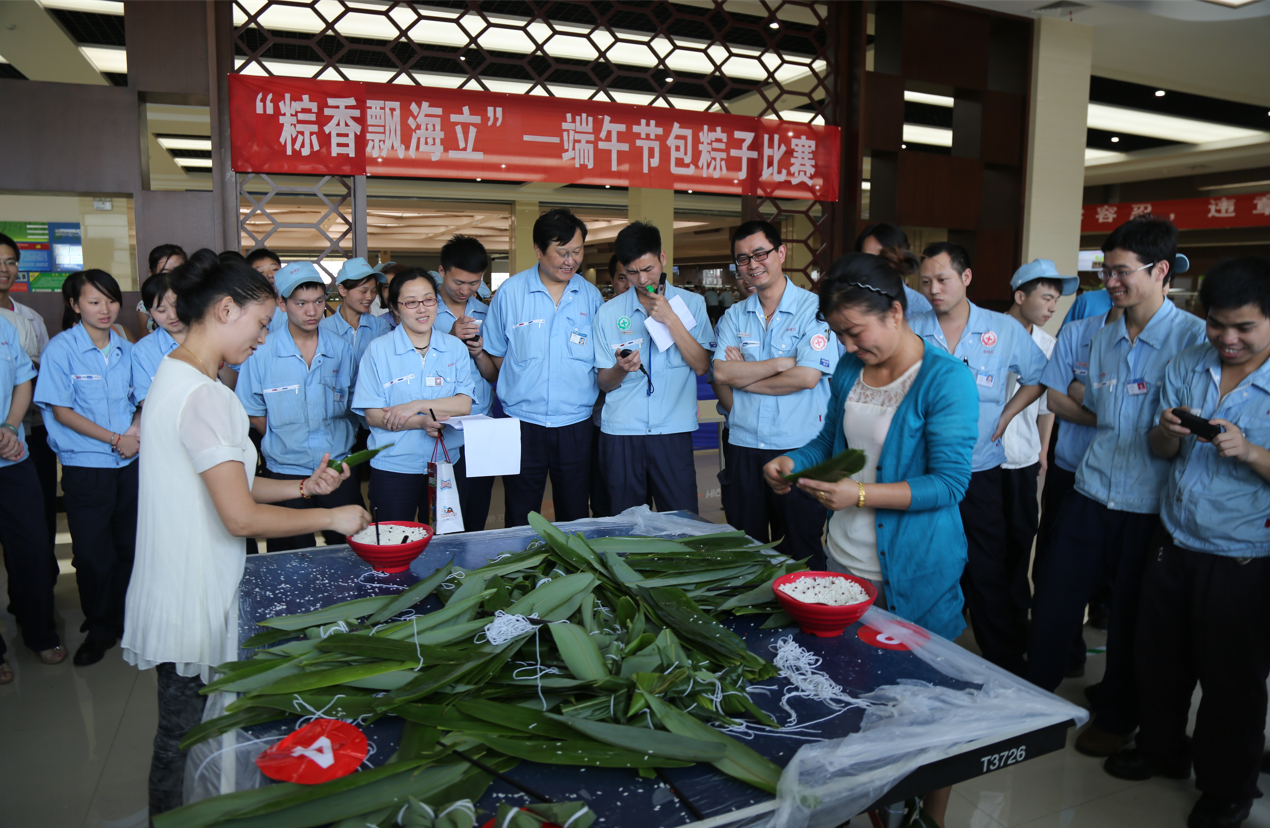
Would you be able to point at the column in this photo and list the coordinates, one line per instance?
(1062, 55)
(658, 208)
(521, 250)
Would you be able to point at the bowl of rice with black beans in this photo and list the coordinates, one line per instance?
(400, 542)
(824, 603)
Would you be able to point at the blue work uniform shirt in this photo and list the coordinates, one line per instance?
(306, 407)
(992, 345)
(279, 320)
(548, 372)
(15, 368)
(146, 356)
(1210, 503)
(370, 328)
(1119, 470)
(917, 304)
(393, 372)
(74, 374)
(1069, 362)
(629, 409)
(792, 420)
(484, 399)
(1089, 304)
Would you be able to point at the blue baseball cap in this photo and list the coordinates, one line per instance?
(1044, 269)
(295, 274)
(354, 270)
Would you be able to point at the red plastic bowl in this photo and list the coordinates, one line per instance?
(821, 619)
(392, 557)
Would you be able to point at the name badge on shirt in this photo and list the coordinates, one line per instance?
(751, 343)
(985, 380)
(406, 378)
(294, 388)
(1081, 369)
(85, 376)
(1135, 387)
(530, 322)
(633, 344)
(577, 338)
(433, 382)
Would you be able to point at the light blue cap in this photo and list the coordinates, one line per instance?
(1181, 264)
(295, 274)
(354, 270)
(1044, 269)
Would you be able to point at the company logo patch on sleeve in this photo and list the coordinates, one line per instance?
(818, 342)
(824, 363)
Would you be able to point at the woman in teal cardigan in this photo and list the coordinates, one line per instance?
(923, 466)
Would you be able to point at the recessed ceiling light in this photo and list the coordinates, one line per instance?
(1120, 120)
(194, 162)
(670, 80)
(1159, 93)
(903, 146)
(606, 186)
(690, 191)
(935, 136)
(462, 58)
(478, 179)
(192, 143)
(773, 25)
(1115, 139)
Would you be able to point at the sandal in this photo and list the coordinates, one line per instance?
(55, 655)
(6, 674)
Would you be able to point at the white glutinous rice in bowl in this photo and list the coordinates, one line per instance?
(390, 535)
(833, 592)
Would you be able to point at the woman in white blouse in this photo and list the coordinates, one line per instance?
(199, 498)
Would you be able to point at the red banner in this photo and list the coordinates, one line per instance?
(292, 125)
(1186, 213)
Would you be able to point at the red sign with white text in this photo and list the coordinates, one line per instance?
(1186, 213)
(301, 126)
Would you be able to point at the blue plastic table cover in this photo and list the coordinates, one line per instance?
(910, 698)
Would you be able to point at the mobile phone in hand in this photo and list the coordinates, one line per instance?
(1198, 425)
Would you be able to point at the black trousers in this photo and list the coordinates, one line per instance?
(475, 494)
(26, 554)
(1058, 482)
(1022, 517)
(45, 460)
(601, 505)
(397, 496)
(565, 454)
(1204, 618)
(349, 493)
(796, 519)
(1093, 543)
(988, 576)
(660, 466)
(180, 709)
(101, 510)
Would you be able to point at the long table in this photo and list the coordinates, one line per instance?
(294, 582)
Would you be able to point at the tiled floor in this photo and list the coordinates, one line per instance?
(75, 744)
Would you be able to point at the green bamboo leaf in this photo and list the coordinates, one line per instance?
(638, 644)
(836, 468)
(701, 577)
(739, 761)
(207, 811)
(212, 728)
(635, 545)
(331, 677)
(385, 681)
(553, 594)
(680, 611)
(523, 719)
(759, 595)
(412, 596)
(579, 651)
(265, 638)
(581, 752)
(263, 671)
(573, 814)
(776, 620)
(387, 648)
(644, 740)
(340, 704)
(436, 620)
(621, 571)
(346, 611)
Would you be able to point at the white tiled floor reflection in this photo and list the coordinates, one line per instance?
(75, 743)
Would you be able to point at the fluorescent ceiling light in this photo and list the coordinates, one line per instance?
(519, 36)
(1164, 127)
(1232, 3)
(866, 185)
(924, 98)
(94, 6)
(2, 60)
(106, 58)
(186, 143)
(1097, 156)
(205, 163)
(1235, 186)
(934, 136)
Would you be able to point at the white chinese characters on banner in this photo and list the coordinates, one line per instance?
(579, 136)
(1139, 210)
(1106, 213)
(299, 124)
(613, 144)
(343, 127)
(679, 142)
(1221, 208)
(383, 128)
(773, 149)
(467, 143)
(713, 150)
(648, 130)
(426, 133)
(1261, 205)
(744, 153)
(802, 161)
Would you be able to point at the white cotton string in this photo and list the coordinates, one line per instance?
(582, 811)
(505, 627)
(414, 625)
(462, 805)
(199, 772)
(340, 627)
(400, 814)
(456, 575)
(378, 575)
(798, 665)
(370, 746)
(511, 813)
(313, 714)
(543, 581)
(500, 557)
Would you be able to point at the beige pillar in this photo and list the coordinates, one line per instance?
(1062, 55)
(521, 251)
(658, 208)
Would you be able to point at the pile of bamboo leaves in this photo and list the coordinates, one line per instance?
(622, 664)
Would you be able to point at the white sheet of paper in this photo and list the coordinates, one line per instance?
(457, 422)
(660, 333)
(490, 447)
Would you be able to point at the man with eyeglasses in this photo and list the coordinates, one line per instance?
(1105, 526)
(650, 405)
(777, 358)
(538, 335)
(992, 346)
(460, 313)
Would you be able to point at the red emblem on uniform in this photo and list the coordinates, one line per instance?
(818, 342)
(912, 636)
(319, 752)
(988, 339)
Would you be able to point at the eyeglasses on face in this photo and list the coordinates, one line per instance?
(1122, 273)
(758, 255)
(411, 304)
